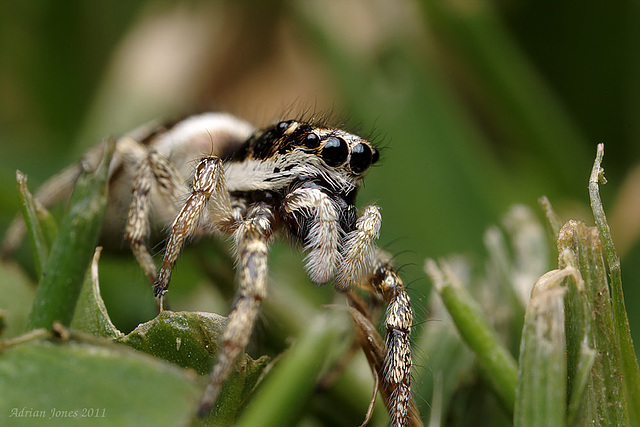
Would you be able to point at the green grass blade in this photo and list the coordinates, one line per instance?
(496, 363)
(449, 360)
(39, 243)
(631, 373)
(72, 250)
(288, 386)
(542, 383)
(607, 404)
(586, 359)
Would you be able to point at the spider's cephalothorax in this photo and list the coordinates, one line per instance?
(294, 177)
(308, 176)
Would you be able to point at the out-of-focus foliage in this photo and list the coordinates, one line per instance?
(477, 105)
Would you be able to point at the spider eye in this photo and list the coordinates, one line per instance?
(335, 151)
(375, 156)
(361, 157)
(283, 126)
(311, 140)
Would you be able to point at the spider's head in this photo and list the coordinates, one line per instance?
(294, 150)
(338, 149)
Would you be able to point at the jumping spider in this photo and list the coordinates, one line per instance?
(295, 177)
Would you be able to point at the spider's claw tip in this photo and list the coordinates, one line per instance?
(159, 291)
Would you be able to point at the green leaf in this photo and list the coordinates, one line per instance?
(91, 314)
(72, 250)
(16, 297)
(449, 361)
(191, 340)
(79, 384)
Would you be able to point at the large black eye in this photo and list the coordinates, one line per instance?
(375, 156)
(335, 151)
(360, 158)
(311, 140)
(282, 126)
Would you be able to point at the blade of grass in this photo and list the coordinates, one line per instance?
(39, 243)
(607, 404)
(288, 386)
(542, 373)
(553, 220)
(586, 359)
(496, 363)
(73, 249)
(449, 360)
(581, 355)
(631, 374)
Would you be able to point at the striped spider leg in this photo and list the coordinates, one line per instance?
(299, 179)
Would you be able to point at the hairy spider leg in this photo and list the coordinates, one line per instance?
(208, 183)
(358, 252)
(322, 240)
(251, 238)
(153, 168)
(374, 349)
(398, 321)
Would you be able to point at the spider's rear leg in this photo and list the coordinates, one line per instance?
(208, 183)
(152, 169)
(251, 239)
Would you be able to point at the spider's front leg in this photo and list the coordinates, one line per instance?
(251, 240)
(361, 262)
(208, 187)
(251, 236)
(398, 321)
(358, 251)
(312, 215)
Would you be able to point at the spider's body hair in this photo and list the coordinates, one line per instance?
(274, 160)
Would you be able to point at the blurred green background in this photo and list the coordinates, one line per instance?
(476, 105)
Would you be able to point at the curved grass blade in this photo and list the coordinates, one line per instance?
(499, 368)
(631, 374)
(289, 384)
(40, 225)
(72, 250)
